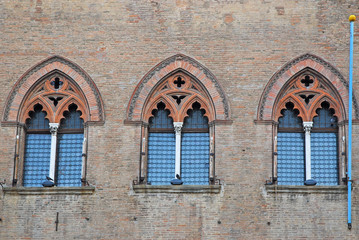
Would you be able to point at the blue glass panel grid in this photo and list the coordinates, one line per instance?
(161, 158)
(195, 120)
(290, 120)
(195, 158)
(69, 165)
(37, 159)
(291, 163)
(324, 158)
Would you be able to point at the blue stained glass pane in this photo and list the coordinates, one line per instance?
(196, 118)
(69, 163)
(291, 163)
(324, 158)
(161, 158)
(195, 158)
(160, 118)
(325, 119)
(290, 119)
(37, 119)
(37, 159)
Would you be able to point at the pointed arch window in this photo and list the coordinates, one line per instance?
(307, 134)
(52, 106)
(177, 142)
(54, 149)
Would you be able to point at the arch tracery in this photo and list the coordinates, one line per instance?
(202, 85)
(54, 81)
(331, 81)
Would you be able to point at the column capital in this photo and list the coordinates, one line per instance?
(307, 126)
(178, 127)
(53, 128)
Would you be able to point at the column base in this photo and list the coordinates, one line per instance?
(48, 183)
(310, 182)
(176, 181)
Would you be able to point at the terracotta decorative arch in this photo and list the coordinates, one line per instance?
(35, 85)
(335, 88)
(146, 93)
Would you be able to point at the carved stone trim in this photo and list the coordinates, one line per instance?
(164, 64)
(42, 65)
(53, 128)
(289, 65)
(142, 188)
(306, 189)
(49, 191)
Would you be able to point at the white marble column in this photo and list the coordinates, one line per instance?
(53, 129)
(308, 163)
(178, 128)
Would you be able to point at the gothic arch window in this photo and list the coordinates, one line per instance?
(307, 112)
(306, 102)
(52, 114)
(178, 104)
(178, 133)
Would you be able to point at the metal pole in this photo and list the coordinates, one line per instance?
(352, 18)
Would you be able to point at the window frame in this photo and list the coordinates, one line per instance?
(193, 92)
(322, 90)
(54, 130)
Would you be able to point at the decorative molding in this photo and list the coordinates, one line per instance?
(289, 189)
(166, 63)
(53, 128)
(178, 127)
(307, 126)
(88, 190)
(42, 65)
(142, 188)
(291, 64)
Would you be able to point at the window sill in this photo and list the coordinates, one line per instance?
(49, 191)
(142, 188)
(340, 189)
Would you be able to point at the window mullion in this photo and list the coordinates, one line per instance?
(178, 129)
(211, 154)
(308, 164)
(53, 129)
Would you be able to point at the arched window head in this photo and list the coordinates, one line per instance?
(37, 119)
(325, 117)
(290, 117)
(196, 118)
(72, 118)
(179, 92)
(160, 118)
(307, 108)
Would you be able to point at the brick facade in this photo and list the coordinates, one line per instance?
(241, 52)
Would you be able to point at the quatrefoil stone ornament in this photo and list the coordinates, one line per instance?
(307, 81)
(179, 82)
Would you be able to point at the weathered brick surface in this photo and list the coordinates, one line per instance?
(243, 43)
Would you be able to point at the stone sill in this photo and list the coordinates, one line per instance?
(142, 188)
(49, 191)
(340, 189)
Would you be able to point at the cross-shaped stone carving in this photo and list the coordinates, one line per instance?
(179, 82)
(57, 83)
(307, 81)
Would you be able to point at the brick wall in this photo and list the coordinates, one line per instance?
(243, 43)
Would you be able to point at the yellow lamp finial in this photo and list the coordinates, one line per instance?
(352, 18)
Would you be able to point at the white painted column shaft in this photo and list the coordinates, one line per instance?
(178, 128)
(53, 129)
(308, 163)
(83, 159)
